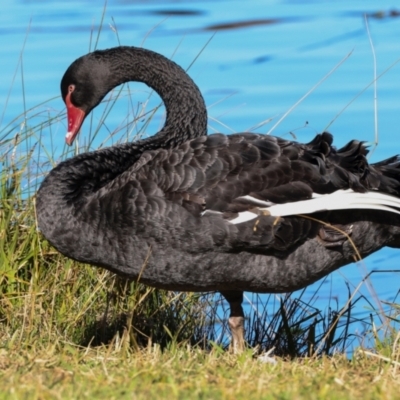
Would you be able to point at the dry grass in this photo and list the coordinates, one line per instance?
(64, 371)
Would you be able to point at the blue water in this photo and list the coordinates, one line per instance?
(252, 62)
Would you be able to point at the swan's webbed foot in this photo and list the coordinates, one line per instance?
(236, 320)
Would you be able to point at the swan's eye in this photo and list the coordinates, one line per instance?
(71, 88)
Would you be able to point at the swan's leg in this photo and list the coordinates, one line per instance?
(236, 319)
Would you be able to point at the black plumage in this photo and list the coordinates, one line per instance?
(164, 208)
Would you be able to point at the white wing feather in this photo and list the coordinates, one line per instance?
(339, 200)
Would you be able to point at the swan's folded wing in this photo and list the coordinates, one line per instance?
(245, 175)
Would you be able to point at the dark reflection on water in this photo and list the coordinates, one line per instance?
(380, 14)
(178, 13)
(241, 24)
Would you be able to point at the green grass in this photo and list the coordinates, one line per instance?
(74, 331)
(64, 371)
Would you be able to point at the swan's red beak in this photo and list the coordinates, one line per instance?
(75, 119)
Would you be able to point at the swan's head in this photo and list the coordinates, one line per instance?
(83, 86)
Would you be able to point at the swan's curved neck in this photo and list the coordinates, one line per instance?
(70, 186)
(186, 112)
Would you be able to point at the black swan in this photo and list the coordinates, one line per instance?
(190, 212)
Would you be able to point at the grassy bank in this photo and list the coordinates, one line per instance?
(64, 371)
